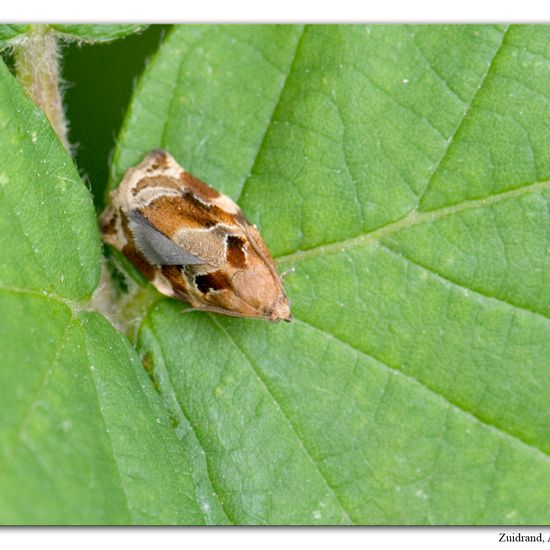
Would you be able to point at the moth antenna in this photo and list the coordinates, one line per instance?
(271, 269)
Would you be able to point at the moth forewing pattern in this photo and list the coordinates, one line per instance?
(192, 242)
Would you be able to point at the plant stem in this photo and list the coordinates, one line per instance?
(37, 67)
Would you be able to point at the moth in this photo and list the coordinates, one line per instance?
(192, 242)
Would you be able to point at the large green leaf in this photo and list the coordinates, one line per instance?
(402, 172)
(83, 437)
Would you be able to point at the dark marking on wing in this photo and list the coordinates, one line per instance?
(175, 277)
(201, 189)
(235, 251)
(216, 281)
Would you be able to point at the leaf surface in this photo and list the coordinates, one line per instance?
(402, 173)
(84, 439)
(97, 33)
(12, 34)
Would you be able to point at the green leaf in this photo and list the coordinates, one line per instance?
(97, 33)
(84, 438)
(403, 173)
(10, 33)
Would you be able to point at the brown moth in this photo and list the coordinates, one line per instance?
(192, 242)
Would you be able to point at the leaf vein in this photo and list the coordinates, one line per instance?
(183, 412)
(491, 486)
(31, 407)
(278, 405)
(275, 105)
(465, 114)
(104, 421)
(173, 96)
(410, 220)
(517, 439)
(37, 294)
(462, 286)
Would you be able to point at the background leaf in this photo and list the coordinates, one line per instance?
(100, 78)
(402, 172)
(97, 33)
(81, 425)
(83, 33)
(10, 32)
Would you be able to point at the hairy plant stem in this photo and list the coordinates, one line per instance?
(37, 67)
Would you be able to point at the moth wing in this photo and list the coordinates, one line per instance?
(157, 248)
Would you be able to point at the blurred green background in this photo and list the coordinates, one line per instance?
(99, 80)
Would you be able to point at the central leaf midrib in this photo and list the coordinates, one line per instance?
(412, 219)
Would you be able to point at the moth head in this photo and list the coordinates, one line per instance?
(280, 310)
